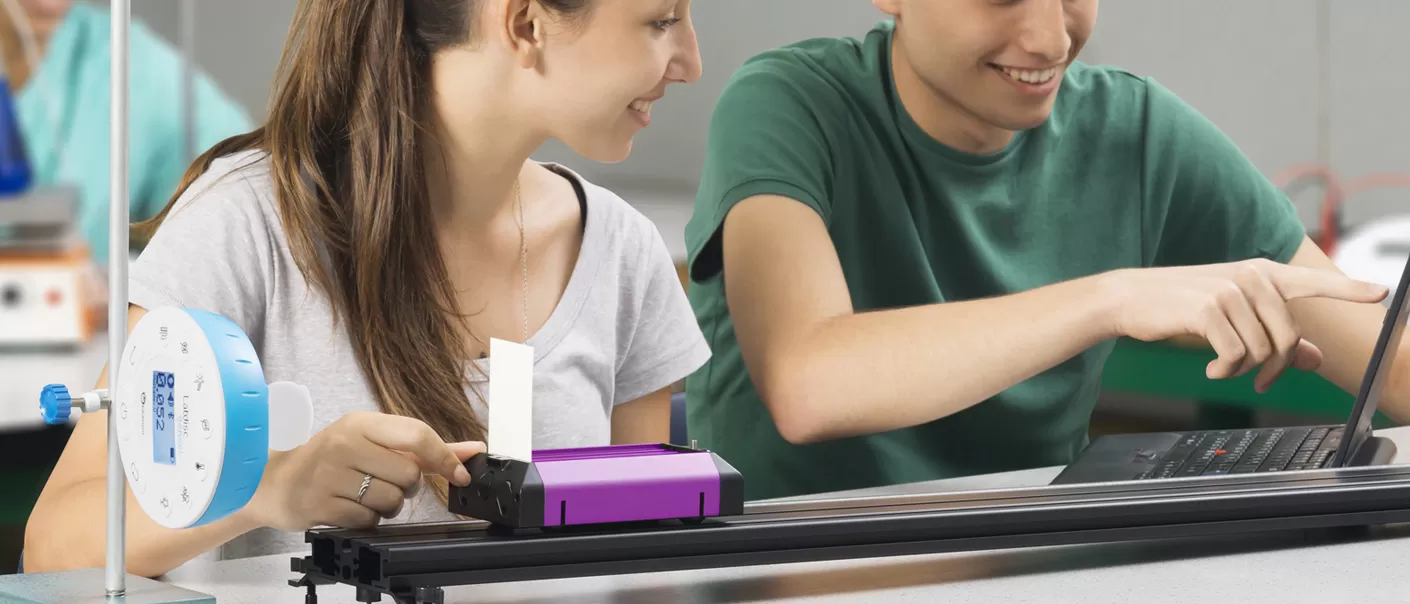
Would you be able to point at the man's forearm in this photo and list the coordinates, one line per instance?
(873, 372)
(69, 534)
(1347, 335)
(1395, 397)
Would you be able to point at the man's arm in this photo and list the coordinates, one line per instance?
(646, 420)
(1346, 333)
(824, 372)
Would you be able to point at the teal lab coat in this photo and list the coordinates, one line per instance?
(64, 116)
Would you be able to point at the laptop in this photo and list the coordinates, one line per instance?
(1146, 456)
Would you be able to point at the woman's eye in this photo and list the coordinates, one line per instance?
(665, 23)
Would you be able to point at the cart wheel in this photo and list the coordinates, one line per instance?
(430, 595)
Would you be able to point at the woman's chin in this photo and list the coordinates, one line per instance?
(607, 150)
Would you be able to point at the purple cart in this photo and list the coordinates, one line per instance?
(595, 485)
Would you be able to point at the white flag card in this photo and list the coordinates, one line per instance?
(511, 403)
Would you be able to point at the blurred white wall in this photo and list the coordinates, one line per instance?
(1251, 66)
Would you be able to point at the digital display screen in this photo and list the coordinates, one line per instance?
(163, 418)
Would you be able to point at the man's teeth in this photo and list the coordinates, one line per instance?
(1030, 76)
(642, 106)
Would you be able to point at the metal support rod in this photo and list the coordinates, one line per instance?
(116, 568)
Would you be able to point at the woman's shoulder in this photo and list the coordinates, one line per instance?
(216, 248)
(636, 298)
(237, 186)
(228, 208)
(250, 167)
(614, 222)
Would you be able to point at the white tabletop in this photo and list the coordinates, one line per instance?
(1308, 566)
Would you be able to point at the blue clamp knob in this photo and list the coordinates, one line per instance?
(55, 404)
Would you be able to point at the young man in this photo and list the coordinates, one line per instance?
(911, 253)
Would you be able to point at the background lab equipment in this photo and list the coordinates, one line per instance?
(175, 111)
(112, 581)
(1376, 251)
(57, 123)
(44, 281)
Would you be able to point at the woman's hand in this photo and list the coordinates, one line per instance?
(318, 483)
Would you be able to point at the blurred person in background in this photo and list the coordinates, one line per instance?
(61, 91)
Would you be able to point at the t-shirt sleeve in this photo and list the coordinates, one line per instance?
(1205, 201)
(768, 135)
(661, 342)
(213, 252)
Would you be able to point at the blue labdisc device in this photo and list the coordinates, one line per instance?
(194, 413)
(195, 423)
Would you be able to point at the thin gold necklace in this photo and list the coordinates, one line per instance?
(523, 257)
(523, 263)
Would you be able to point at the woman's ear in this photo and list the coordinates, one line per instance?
(518, 24)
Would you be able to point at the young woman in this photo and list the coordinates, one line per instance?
(385, 224)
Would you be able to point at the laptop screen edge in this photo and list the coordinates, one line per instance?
(1378, 371)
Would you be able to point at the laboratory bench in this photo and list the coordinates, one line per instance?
(1363, 564)
(1170, 372)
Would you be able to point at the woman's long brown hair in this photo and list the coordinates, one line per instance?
(348, 121)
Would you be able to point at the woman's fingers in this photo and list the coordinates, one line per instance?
(381, 496)
(395, 467)
(462, 451)
(345, 513)
(466, 450)
(414, 436)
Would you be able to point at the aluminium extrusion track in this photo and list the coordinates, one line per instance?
(412, 563)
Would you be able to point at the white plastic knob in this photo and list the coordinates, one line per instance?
(290, 415)
(1376, 252)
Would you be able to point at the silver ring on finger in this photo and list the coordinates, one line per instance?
(362, 490)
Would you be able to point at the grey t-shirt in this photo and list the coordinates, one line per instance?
(622, 329)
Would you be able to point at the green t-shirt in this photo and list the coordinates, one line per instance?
(1123, 174)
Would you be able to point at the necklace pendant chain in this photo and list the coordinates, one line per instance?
(523, 257)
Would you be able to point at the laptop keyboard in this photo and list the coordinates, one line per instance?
(1210, 453)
